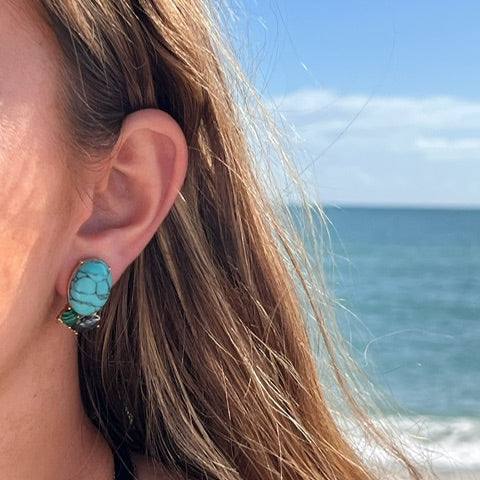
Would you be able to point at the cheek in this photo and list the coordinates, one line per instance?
(34, 227)
(35, 187)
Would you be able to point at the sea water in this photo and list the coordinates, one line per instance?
(408, 281)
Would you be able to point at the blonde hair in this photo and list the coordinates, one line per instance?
(203, 362)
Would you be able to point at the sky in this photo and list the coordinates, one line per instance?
(381, 98)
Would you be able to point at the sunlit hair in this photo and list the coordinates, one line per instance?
(203, 362)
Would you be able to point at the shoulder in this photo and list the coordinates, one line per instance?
(146, 471)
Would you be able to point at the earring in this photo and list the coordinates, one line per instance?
(87, 292)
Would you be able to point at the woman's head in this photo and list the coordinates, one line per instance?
(202, 361)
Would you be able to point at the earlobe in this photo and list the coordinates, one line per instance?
(143, 177)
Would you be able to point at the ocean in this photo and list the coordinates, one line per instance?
(408, 281)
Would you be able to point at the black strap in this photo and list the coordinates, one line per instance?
(124, 469)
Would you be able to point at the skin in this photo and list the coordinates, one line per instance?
(48, 222)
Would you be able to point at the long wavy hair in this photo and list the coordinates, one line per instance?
(203, 362)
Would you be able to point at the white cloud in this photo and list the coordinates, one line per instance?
(405, 150)
(449, 149)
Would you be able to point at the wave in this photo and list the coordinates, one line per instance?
(444, 443)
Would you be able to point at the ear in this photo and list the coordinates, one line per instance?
(128, 201)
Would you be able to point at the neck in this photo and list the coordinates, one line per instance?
(45, 433)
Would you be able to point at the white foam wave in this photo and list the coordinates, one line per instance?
(449, 442)
(444, 443)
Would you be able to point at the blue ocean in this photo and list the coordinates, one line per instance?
(408, 284)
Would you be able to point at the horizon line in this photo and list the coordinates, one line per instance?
(398, 206)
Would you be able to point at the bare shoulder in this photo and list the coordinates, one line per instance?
(146, 471)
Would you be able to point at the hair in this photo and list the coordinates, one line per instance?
(203, 363)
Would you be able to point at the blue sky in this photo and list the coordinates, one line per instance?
(383, 96)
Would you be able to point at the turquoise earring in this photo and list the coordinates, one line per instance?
(87, 292)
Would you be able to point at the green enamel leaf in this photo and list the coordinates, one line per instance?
(69, 317)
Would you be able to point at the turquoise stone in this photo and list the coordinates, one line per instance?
(90, 287)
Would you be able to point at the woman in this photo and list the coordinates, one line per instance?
(122, 145)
